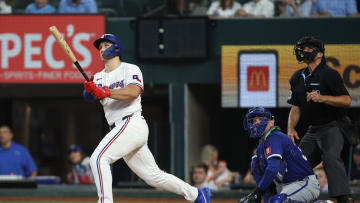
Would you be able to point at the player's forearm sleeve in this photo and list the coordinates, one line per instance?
(270, 173)
(88, 96)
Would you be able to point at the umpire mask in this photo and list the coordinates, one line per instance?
(311, 42)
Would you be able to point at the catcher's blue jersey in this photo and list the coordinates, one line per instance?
(294, 165)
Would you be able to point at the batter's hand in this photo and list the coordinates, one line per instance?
(314, 96)
(89, 86)
(101, 93)
(292, 134)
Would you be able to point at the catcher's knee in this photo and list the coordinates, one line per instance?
(282, 198)
(279, 198)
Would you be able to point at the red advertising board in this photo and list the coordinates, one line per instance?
(30, 54)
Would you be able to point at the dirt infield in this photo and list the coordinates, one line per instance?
(93, 199)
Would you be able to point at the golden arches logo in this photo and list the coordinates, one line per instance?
(258, 78)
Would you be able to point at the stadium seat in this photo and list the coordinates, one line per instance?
(134, 8)
(111, 8)
(242, 2)
(20, 5)
(55, 3)
(152, 5)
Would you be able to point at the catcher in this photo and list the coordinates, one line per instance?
(281, 171)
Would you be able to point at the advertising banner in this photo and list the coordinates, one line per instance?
(257, 78)
(30, 54)
(242, 88)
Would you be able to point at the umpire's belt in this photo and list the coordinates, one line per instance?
(123, 118)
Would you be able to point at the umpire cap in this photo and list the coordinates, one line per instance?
(312, 42)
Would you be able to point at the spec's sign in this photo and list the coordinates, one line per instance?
(30, 54)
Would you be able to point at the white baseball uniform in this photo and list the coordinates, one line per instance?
(128, 139)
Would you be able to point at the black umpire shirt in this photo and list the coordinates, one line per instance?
(323, 79)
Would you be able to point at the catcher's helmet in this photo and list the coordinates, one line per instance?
(308, 41)
(114, 50)
(257, 130)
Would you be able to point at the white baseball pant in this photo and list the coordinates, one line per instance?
(128, 140)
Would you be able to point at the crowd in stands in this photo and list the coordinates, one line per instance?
(81, 170)
(16, 161)
(355, 169)
(48, 6)
(211, 8)
(209, 172)
(282, 8)
(323, 182)
(212, 172)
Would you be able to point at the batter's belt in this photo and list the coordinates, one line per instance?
(123, 118)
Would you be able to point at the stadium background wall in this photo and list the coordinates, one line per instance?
(182, 100)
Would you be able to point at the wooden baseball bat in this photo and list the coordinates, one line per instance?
(55, 32)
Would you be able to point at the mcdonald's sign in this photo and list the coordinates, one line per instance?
(258, 78)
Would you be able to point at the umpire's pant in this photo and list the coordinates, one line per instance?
(330, 141)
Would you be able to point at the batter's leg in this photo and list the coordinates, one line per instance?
(129, 135)
(143, 164)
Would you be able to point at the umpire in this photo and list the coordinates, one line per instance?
(318, 96)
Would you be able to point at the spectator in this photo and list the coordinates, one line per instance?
(175, 7)
(249, 178)
(336, 8)
(223, 176)
(81, 171)
(223, 9)
(40, 7)
(293, 8)
(14, 158)
(209, 156)
(198, 7)
(355, 170)
(321, 175)
(199, 175)
(4, 7)
(257, 9)
(77, 6)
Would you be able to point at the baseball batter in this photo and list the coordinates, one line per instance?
(118, 87)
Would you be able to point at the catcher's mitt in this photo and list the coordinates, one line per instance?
(253, 197)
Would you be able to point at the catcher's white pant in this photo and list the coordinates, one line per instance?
(128, 140)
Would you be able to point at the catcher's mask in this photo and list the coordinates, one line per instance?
(257, 130)
(311, 42)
